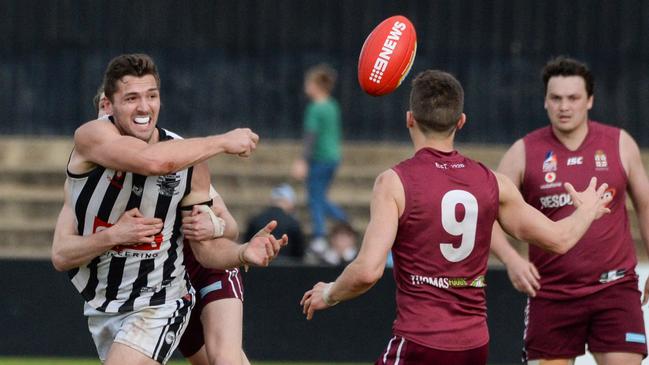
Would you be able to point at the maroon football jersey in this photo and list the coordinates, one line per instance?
(441, 250)
(606, 254)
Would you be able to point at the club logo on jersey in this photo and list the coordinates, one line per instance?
(168, 184)
(170, 337)
(550, 177)
(573, 161)
(550, 162)
(137, 190)
(600, 160)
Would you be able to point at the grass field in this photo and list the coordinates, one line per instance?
(59, 361)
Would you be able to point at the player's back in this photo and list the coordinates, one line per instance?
(441, 249)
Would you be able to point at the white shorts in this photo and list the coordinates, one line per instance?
(153, 331)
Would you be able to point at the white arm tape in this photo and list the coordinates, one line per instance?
(213, 192)
(326, 295)
(219, 224)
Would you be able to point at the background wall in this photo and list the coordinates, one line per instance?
(228, 63)
(44, 305)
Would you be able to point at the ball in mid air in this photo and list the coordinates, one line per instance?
(387, 56)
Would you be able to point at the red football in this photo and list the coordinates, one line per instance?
(387, 55)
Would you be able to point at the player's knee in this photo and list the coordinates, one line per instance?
(226, 358)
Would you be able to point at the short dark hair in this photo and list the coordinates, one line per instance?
(323, 75)
(97, 98)
(344, 229)
(128, 65)
(565, 66)
(436, 101)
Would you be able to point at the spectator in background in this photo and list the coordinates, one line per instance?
(344, 245)
(281, 210)
(321, 155)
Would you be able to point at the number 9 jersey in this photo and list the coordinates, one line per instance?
(441, 250)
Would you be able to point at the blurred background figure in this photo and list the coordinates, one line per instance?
(281, 209)
(322, 152)
(101, 103)
(343, 240)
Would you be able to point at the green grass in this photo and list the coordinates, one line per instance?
(60, 361)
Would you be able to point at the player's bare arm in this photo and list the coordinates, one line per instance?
(100, 143)
(522, 273)
(388, 200)
(223, 253)
(210, 223)
(638, 190)
(71, 250)
(524, 222)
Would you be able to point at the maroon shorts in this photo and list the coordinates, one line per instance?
(211, 285)
(607, 321)
(404, 352)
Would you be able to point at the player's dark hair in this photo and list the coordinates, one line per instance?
(436, 101)
(323, 75)
(565, 66)
(97, 97)
(137, 65)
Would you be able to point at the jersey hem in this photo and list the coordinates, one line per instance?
(442, 348)
(598, 288)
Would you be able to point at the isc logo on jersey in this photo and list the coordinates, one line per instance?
(555, 201)
(574, 161)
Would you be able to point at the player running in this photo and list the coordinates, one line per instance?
(138, 298)
(436, 212)
(588, 296)
(215, 329)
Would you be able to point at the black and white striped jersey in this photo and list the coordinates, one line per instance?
(128, 278)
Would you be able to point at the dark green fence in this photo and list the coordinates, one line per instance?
(229, 63)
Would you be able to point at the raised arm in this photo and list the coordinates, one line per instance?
(638, 190)
(71, 250)
(524, 222)
(100, 143)
(362, 273)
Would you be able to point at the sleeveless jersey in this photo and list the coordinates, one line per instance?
(441, 250)
(606, 254)
(128, 278)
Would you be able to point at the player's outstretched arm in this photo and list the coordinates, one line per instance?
(223, 253)
(522, 273)
(71, 250)
(362, 273)
(638, 190)
(100, 143)
(524, 222)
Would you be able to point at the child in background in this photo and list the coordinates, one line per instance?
(321, 155)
